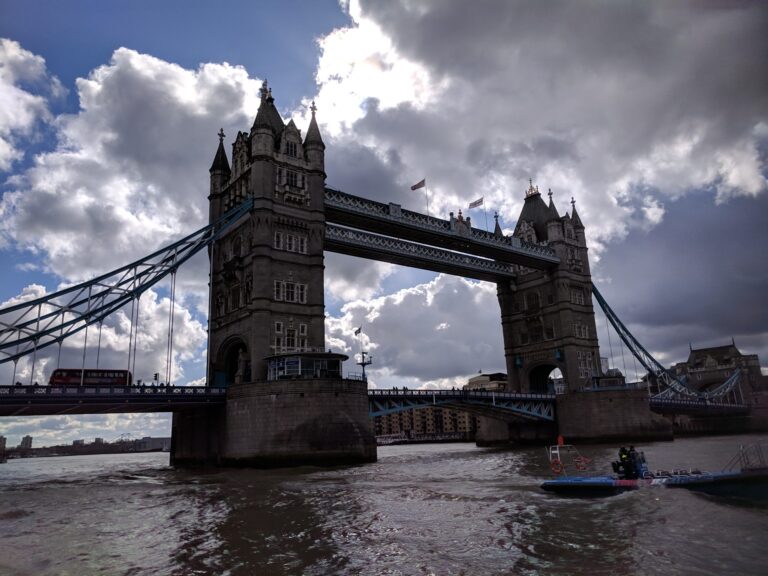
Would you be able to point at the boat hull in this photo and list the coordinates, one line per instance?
(747, 483)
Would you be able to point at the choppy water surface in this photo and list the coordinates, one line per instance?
(424, 509)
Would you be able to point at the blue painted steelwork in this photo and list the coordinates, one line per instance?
(368, 245)
(35, 324)
(536, 407)
(674, 388)
(393, 220)
(697, 405)
(51, 400)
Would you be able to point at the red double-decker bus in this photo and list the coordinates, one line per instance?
(95, 377)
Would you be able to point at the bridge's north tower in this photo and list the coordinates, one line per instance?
(547, 316)
(267, 273)
(287, 401)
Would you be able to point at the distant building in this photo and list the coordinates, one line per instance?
(431, 420)
(26, 443)
(496, 381)
(99, 441)
(78, 442)
(2, 444)
(707, 368)
(148, 444)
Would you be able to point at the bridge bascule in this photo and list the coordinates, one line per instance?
(271, 218)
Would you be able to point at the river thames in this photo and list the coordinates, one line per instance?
(421, 509)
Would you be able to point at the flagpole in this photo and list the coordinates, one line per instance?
(486, 215)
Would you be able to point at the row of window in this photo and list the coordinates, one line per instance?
(290, 292)
(533, 302)
(537, 333)
(290, 342)
(585, 360)
(291, 242)
(290, 177)
(579, 330)
(279, 328)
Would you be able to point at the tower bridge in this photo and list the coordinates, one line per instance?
(273, 395)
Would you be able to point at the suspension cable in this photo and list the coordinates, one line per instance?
(98, 346)
(34, 354)
(130, 337)
(61, 341)
(169, 355)
(85, 339)
(136, 332)
(623, 362)
(610, 345)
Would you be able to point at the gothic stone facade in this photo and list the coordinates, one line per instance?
(267, 271)
(547, 317)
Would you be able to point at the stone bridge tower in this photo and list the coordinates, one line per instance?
(287, 401)
(267, 273)
(547, 317)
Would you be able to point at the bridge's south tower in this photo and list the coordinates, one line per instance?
(267, 273)
(548, 320)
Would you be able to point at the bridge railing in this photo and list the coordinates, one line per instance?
(460, 394)
(59, 391)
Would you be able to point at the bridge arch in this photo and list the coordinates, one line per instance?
(540, 377)
(232, 363)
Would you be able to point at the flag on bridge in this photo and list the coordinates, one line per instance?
(477, 203)
(419, 184)
(357, 332)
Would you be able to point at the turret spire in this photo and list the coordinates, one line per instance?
(220, 162)
(575, 215)
(553, 214)
(313, 132)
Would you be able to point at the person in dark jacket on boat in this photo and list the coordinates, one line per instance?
(625, 467)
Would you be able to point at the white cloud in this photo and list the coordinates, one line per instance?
(20, 108)
(130, 171)
(436, 332)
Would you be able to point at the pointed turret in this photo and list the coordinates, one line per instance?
(268, 116)
(313, 133)
(220, 174)
(220, 162)
(535, 212)
(497, 229)
(575, 216)
(313, 143)
(553, 214)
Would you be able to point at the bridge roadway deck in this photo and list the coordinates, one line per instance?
(55, 400)
(700, 407)
(392, 220)
(508, 406)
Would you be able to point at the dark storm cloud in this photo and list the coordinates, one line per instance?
(597, 86)
(698, 277)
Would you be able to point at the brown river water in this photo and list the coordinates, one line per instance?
(421, 509)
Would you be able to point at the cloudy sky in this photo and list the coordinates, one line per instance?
(653, 116)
